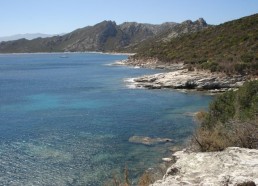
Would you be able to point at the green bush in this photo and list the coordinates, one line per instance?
(232, 120)
(221, 110)
(240, 68)
(247, 58)
(247, 101)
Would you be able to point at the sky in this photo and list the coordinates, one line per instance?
(63, 16)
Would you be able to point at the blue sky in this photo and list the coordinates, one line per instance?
(59, 16)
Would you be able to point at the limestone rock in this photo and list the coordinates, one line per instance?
(184, 79)
(233, 166)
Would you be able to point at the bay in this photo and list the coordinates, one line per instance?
(65, 119)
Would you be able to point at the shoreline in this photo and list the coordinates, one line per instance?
(198, 168)
(190, 80)
(86, 52)
(178, 77)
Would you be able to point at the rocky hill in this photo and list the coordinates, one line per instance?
(230, 47)
(168, 33)
(104, 36)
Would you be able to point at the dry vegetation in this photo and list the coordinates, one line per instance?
(232, 120)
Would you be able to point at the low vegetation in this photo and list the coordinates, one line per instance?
(232, 120)
(231, 47)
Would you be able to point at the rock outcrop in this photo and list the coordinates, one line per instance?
(184, 79)
(232, 167)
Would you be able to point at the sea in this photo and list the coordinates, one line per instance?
(66, 119)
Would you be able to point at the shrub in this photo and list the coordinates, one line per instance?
(247, 100)
(240, 68)
(232, 120)
(247, 58)
(220, 110)
(214, 139)
(218, 138)
(209, 65)
(145, 180)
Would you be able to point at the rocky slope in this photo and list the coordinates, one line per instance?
(104, 36)
(233, 167)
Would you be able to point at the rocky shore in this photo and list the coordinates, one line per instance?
(233, 166)
(178, 77)
(184, 79)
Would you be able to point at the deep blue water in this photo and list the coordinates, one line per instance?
(67, 121)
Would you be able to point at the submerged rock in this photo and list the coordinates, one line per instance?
(233, 166)
(147, 140)
(167, 159)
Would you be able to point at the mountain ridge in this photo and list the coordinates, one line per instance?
(105, 36)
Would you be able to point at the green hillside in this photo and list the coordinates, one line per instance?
(231, 47)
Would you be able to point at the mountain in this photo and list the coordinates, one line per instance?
(104, 36)
(25, 36)
(231, 47)
(167, 33)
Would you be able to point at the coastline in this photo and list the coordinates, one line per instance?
(177, 76)
(87, 52)
(187, 166)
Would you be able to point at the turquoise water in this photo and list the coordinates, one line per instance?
(67, 121)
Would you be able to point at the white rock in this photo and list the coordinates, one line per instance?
(167, 159)
(184, 79)
(229, 167)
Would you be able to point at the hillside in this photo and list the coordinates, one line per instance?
(231, 47)
(104, 36)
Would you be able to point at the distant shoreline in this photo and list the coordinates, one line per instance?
(86, 52)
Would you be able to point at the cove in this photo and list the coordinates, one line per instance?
(67, 121)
